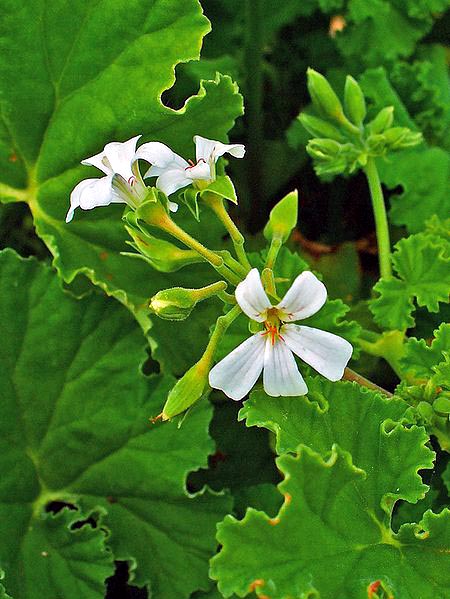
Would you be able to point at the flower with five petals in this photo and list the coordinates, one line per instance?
(174, 172)
(272, 350)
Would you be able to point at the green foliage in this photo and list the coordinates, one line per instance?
(76, 431)
(118, 95)
(422, 265)
(284, 556)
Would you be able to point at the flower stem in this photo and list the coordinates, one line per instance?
(216, 204)
(351, 375)
(381, 222)
(165, 223)
(275, 246)
(222, 324)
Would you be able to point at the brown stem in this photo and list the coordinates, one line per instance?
(351, 375)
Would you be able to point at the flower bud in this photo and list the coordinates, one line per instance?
(159, 253)
(442, 405)
(323, 148)
(355, 104)
(382, 121)
(319, 127)
(399, 138)
(283, 218)
(177, 303)
(323, 96)
(188, 390)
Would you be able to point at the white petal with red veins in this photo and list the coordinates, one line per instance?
(304, 298)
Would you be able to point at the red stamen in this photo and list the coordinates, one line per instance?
(132, 180)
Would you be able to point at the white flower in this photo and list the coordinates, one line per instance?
(116, 159)
(271, 350)
(174, 172)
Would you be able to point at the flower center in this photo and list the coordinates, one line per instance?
(272, 324)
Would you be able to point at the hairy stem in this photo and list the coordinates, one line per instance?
(351, 375)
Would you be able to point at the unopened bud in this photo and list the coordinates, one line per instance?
(323, 148)
(442, 405)
(319, 127)
(177, 303)
(283, 218)
(401, 137)
(382, 121)
(355, 104)
(159, 253)
(188, 390)
(323, 96)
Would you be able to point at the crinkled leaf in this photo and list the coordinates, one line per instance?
(359, 421)
(422, 265)
(326, 538)
(54, 559)
(381, 30)
(420, 358)
(79, 103)
(75, 429)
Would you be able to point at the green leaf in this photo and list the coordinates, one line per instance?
(420, 358)
(75, 430)
(54, 559)
(422, 265)
(340, 413)
(54, 47)
(379, 31)
(326, 542)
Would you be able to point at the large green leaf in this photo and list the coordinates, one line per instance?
(420, 358)
(75, 429)
(325, 541)
(90, 74)
(361, 422)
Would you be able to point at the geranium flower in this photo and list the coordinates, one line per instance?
(271, 351)
(174, 172)
(116, 159)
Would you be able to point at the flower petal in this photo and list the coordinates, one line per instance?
(120, 156)
(173, 206)
(172, 179)
(159, 155)
(201, 170)
(91, 193)
(281, 375)
(325, 352)
(236, 374)
(209, 149)
(252, 298)
(305, 297)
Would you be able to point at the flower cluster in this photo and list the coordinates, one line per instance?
(123, 182)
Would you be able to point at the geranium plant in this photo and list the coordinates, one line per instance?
(191, 409)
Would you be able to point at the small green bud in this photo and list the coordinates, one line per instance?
(355, 104)
(442, 405)
(188, 390)
(323, 148)
(323, 96)
(283, 218)
(319, 127)
(425, 410)
(401, 137)
(382, 121)
(177, 303)
(159, 253)
(376, 144)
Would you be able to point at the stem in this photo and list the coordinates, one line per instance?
(227, 298)
(253, 53)
(209, 291)
(167, 224)
(269, 283)
(381, 222)
(351, 375)
(272, 254)
(222, 324)
(216, 204)
(232, 263)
